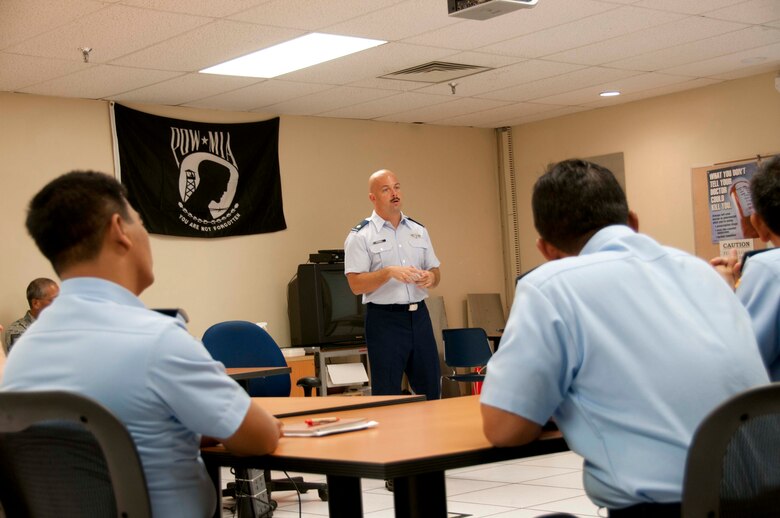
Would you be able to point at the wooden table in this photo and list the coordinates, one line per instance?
(246, 373)
(290, 407)
(413, 445)
(243, 374)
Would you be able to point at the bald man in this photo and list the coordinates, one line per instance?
(389, 259)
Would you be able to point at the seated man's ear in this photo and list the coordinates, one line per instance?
(116, 233)
(761, 227)
(633, 221)
(550, 251)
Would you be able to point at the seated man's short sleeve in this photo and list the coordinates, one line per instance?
(533, 368)
(195, 387)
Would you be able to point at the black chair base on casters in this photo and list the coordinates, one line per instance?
(295, 484)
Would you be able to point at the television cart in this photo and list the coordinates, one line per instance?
(325, 354)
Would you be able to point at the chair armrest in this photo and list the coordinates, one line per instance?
(308, 383)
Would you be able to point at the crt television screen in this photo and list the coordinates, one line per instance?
(342, 310)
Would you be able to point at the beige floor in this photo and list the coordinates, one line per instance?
(516, 489)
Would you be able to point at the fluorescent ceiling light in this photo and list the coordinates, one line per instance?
(610, 93)
(296, 54)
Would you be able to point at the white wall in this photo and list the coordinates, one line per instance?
(662, 140)
(448, 176)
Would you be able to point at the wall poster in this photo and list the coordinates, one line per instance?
(730, 204)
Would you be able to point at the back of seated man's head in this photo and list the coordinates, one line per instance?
(765, 192)
(573, 200)
(40, 293)
(68, 218)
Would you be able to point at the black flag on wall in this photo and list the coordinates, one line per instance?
(200, 179)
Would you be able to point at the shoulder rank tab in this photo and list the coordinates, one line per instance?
(360, 225)
(410, 219)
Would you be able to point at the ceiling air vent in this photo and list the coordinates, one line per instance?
(435, 72)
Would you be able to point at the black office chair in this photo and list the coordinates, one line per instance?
(237, 343)
(64, 455)
(733, 465)
(467, 347)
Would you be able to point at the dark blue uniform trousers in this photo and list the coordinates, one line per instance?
(398, 341)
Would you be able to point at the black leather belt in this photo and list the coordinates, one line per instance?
(398, 307)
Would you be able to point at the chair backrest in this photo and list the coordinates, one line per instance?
(238, 343)
(466, 347)
(64, 455)
(733, 465)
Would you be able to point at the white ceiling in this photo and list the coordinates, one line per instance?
(548, 61)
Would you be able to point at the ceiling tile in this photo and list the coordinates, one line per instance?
(700, 50)
(647, 40)
(445, 110)
(257, 96)
(754, 11)
(368, 64)
(328, 100)
(98, 30)
(520, 73)
(310, 15)
(472, 34)
(99, 82)
(654, 92)
(559, 84)
(30, 70)
(590, 94)
(525, 119)
(210, 8)
(207, 45)
(148, 51)
(685, 6)
(727, 66)
(493, 116)
(39, 16)
(718, 67)
(184, 89)
(394, 23)
(581, 32)
(397, 103)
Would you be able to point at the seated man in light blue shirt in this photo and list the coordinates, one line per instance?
(759, 286)
(626, 343)
(99, 340)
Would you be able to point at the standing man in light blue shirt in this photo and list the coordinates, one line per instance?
(626, 343)
(99, 340)
(389, 259)
(759, 285)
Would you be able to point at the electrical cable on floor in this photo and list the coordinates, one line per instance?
(297, 492)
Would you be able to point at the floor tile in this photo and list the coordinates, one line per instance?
(520, 488)
(571, 480)
(558, 460)
(512, 473)
(581, 506)
(517, 495)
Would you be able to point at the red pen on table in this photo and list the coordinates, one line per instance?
(320, 420)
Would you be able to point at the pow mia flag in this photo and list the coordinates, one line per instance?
(200, 179)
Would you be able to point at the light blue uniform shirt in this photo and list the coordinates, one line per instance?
(377, 245)
(628, 345)
(98, 339)
(759, 291)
